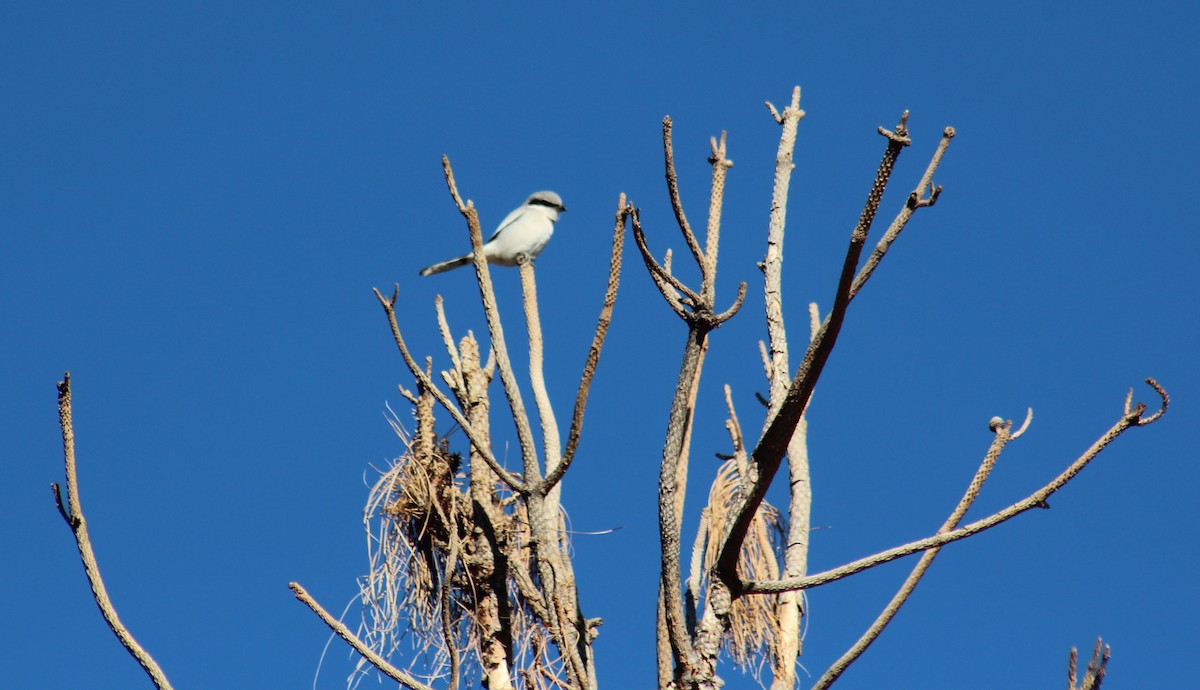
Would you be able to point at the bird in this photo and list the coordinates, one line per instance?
(525, 231)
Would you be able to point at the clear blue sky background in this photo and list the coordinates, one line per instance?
(196, 200)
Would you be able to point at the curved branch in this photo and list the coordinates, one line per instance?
(661, 274)
(78, 524)
(1162, 394)
(1037, 499)
(729, 313)
(537, 379)
(673, 191)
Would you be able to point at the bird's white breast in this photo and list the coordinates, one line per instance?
(525, 231)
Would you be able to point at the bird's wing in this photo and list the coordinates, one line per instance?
(509, 220)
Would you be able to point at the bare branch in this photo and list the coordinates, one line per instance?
(78, 524)
(774, 112)
(772, 264)
(915, 200)
(1166, 400)
(1035, 500)
(456, 381)
(1096, 669)
(735, 433)
(695, 570)
(720, 165)
(700, 320)
(593, 358)
(729, 313)
(537, 378)
(673, 190)
(359, 646)
(661, 274)
(766, 360)
(1020, 432)
(487, 295)
(795, 554)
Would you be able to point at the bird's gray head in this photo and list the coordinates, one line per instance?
(549, 199)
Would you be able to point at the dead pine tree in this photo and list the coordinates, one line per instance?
(471, 561)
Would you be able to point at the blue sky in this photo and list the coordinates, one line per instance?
(195, 202)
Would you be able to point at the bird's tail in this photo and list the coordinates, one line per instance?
(447, 265)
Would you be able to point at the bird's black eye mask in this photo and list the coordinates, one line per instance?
(543, 202)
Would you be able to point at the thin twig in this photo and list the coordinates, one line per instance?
(78, 524)
(359, 646)
(735, 434)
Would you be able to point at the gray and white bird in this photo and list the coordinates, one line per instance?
(524, 231)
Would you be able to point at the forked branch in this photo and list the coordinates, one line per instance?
(480, 444)
(1097, 667)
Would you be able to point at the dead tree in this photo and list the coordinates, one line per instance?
(474, 558)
